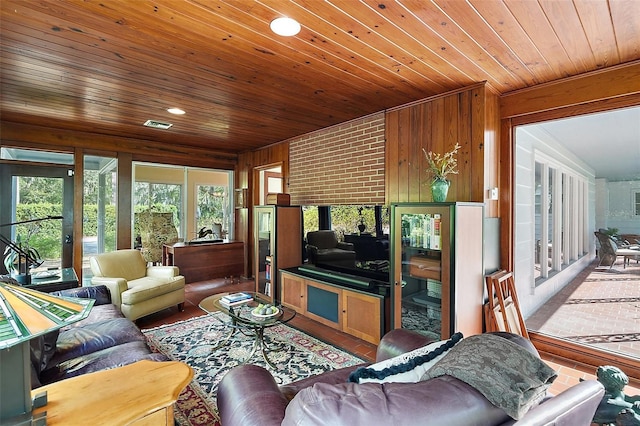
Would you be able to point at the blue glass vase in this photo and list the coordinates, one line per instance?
(439, 190)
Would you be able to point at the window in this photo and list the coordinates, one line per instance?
(212, 206)
(636, 202)
(158, 197)
(560, 209)
(99, 210)
(198, 198)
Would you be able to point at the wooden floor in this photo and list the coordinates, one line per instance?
(569, 372)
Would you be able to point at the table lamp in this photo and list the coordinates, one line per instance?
(24, 315)
(29, 260)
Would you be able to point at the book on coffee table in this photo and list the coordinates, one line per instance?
(235, 299)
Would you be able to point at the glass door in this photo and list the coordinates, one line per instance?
(29, 193)
(419, 260)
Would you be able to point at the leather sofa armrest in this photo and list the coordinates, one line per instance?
(345, 246)
(574, 406)
(163, 271)
(99, 293)
(399, 341)
(248, 395)
(115, 285)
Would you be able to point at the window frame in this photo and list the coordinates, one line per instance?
(568, 216)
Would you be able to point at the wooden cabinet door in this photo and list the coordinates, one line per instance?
(361, 316)
(324, 304)
(293, 292)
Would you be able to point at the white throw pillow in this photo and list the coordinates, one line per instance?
(405, 368)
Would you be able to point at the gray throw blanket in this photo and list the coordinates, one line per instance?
(507, 374)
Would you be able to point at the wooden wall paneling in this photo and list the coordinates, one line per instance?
(403, 147)
(426, 116)
(506, 197)
(437, 127)
(478, 126)
(464, 138)
(491, 152)
(451, 125)
(414, 161)
(436, 124)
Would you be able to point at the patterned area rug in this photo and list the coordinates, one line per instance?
(295, 354)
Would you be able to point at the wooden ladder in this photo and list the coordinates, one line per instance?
(502, 311)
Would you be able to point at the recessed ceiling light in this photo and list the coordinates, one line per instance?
(176, 111)
(285, 26)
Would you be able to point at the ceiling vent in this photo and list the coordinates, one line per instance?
(157, 124)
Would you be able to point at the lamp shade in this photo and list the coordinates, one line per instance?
(26, 313)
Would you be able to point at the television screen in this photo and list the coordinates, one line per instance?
(365, 228)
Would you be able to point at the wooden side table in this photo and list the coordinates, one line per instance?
(205, 261)
(139, 394)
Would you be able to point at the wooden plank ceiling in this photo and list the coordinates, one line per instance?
(107, 66)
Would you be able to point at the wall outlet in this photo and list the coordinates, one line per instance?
(493, 193)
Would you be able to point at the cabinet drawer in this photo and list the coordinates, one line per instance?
(425, 267)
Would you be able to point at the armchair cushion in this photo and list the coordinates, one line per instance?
(162, 271)
(149, 287)
(126, 264)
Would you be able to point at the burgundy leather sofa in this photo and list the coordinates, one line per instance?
(248, 395)
(103, 340)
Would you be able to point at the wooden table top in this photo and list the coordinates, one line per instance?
(117, 396)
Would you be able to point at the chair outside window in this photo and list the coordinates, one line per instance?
(323, 247)
(609, 251)
(156, 230)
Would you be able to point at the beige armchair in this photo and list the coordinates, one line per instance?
(138, 289)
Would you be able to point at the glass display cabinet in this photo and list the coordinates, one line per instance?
(278, 244)
(437, 267)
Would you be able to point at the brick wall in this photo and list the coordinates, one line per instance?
(343, 164)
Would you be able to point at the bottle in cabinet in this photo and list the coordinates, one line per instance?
(278, 244)
(437, 267)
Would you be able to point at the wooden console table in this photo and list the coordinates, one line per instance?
(204, 261)
(142, 393)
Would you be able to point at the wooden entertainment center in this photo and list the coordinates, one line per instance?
(204, 261)
(326, 299)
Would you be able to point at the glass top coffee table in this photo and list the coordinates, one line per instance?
(244, 321)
